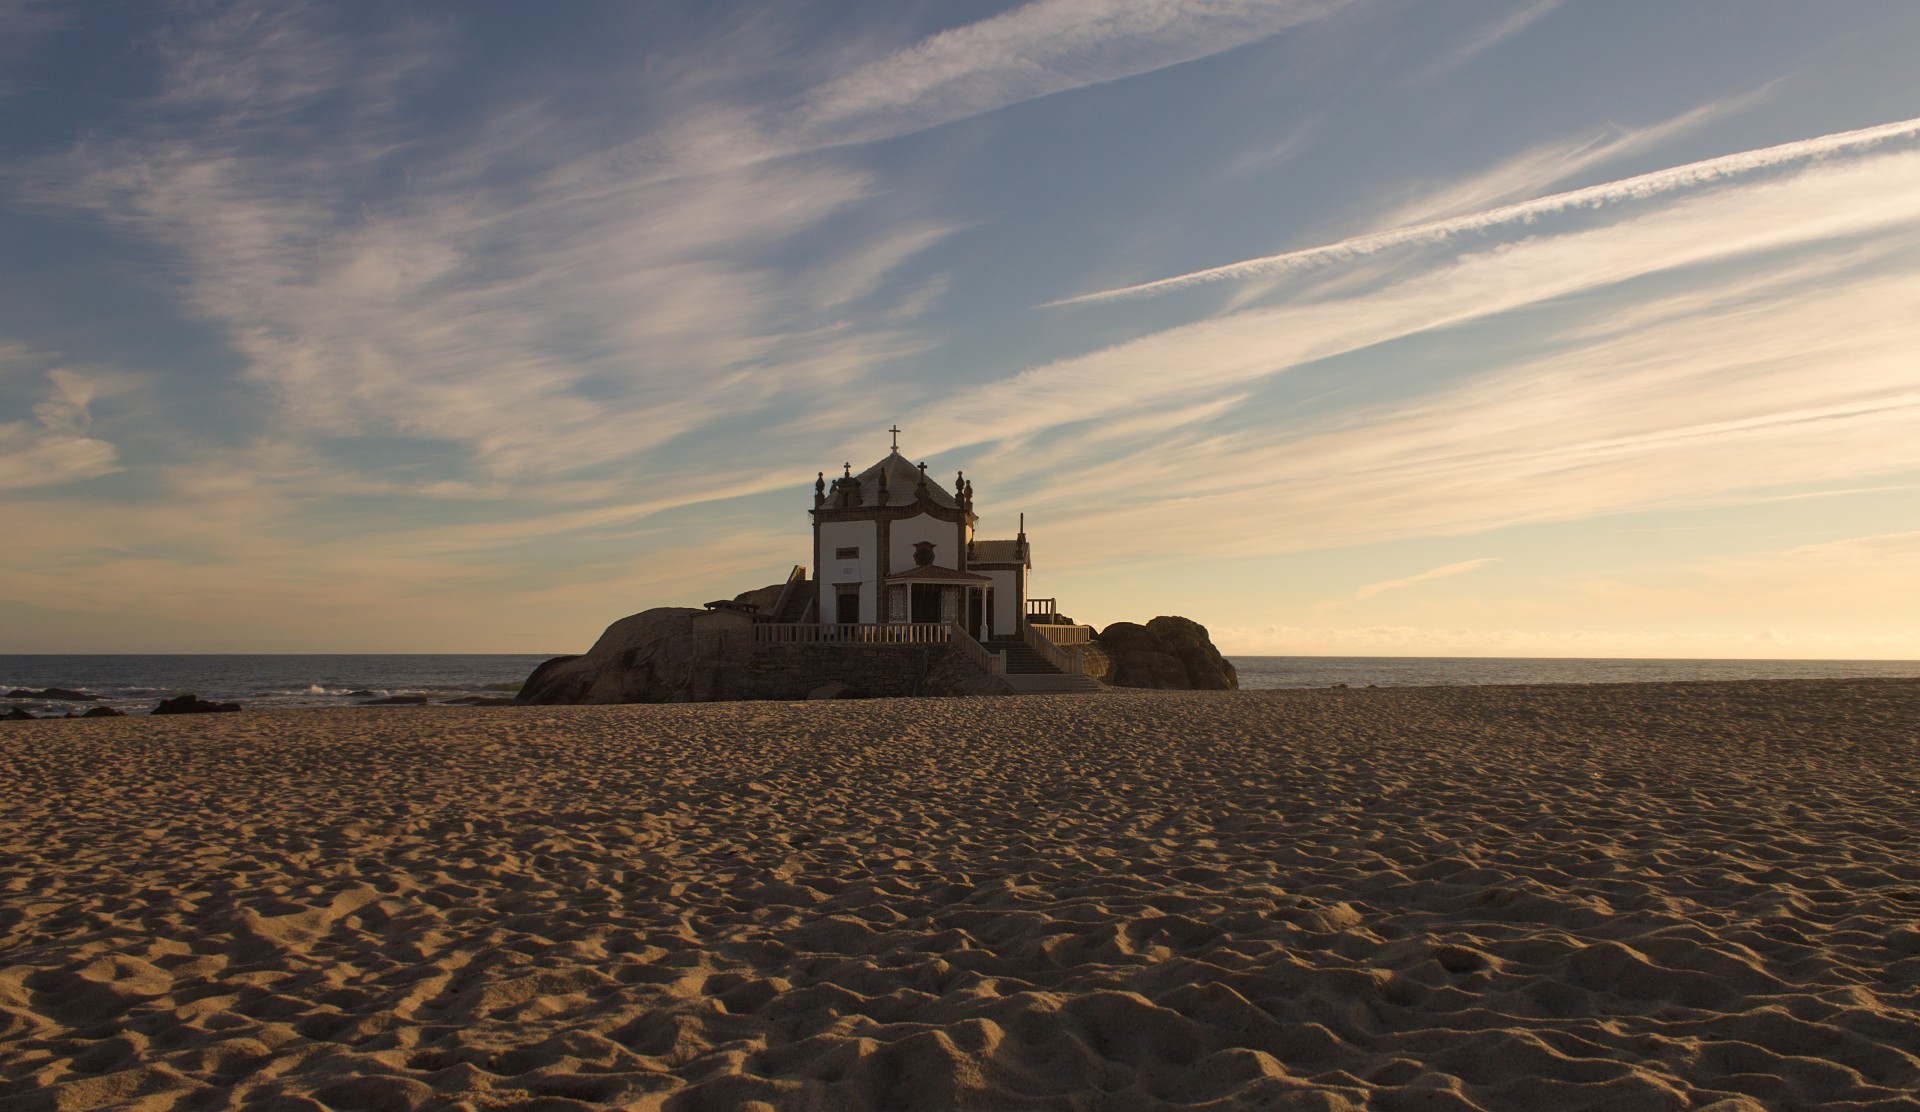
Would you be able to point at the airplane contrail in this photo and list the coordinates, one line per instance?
(1594, 196)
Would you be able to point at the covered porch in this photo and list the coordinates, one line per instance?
(930, 593)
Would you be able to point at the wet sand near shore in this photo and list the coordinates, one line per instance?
(1647, 896)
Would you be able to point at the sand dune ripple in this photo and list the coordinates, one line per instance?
(1632, 897)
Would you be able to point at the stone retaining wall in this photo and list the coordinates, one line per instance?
(790, 671)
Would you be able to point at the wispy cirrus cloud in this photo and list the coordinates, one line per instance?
(1643, 187)
(1800, 375)
(1032, 51)
(1528, 172)
(1035, 50)
(1445, 571)
(55, 447)
(1822, 204)
(1486, 37)
(513, 320)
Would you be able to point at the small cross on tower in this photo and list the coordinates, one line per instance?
(895, 430)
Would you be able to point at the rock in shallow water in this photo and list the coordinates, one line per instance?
(62, 694)
(192, 704)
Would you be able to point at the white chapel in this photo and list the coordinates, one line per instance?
(893, 546)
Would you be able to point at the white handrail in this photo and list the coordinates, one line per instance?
(1064, 634)
(852, 633)
(1069, 664)
(994, 663)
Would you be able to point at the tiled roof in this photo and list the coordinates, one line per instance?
(933, 573)
(903, 482)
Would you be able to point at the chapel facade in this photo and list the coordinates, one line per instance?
(892, 546)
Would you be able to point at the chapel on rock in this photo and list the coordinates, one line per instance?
(901, 579)
(892, 546)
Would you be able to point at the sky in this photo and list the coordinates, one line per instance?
(1350, 327)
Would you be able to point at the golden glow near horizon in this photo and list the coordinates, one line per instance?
(1525, 329)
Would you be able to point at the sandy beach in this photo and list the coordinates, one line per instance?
(1656, 896)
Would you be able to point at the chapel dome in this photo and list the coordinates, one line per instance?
(903, 484)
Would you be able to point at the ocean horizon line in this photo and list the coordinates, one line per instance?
(1226, 653)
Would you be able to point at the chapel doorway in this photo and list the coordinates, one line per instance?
(925, 604)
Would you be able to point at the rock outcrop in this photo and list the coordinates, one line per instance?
(1169, 653)
(192, 704)
(59, 694)
(644, 658)
(676, 654)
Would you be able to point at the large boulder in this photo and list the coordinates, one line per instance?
(1169, 653)
(663, 655)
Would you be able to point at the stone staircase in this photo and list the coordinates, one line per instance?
(796, 602)
(1029, 673)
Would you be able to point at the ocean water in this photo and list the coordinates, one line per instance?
(1443, 671)
(263, 682)
(269, 682)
